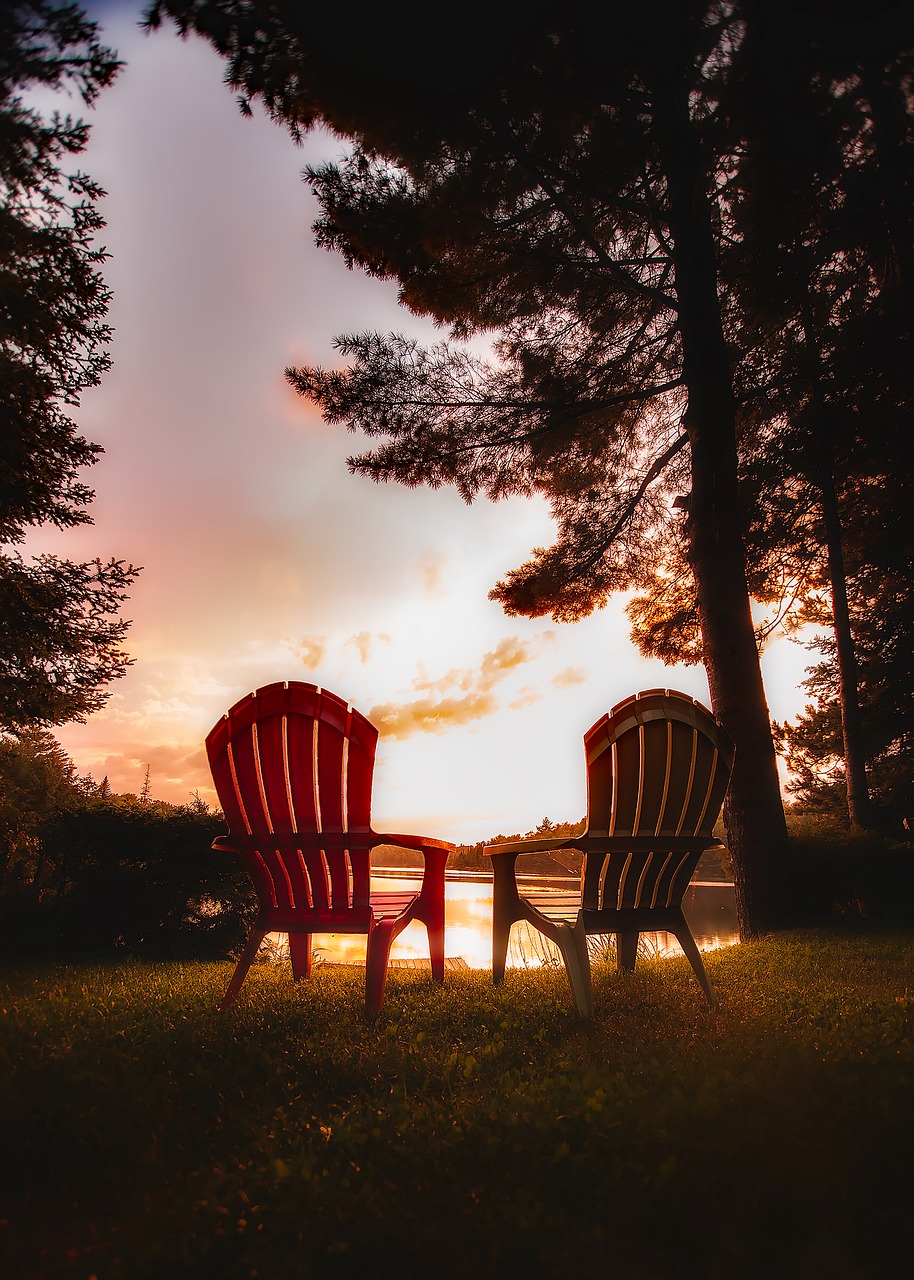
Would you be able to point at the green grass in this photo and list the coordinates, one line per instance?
(469, 1131)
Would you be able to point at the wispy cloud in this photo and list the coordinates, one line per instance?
(431, 569)
(460, 696)
(363, 643)
(171, 765)
(310, 650)
(178, 762)
(569, 676)
(507, 654)
(175, 698)
(430, 715)
(495, 666)
(527, 696)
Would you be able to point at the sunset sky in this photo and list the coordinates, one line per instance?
(264, 559)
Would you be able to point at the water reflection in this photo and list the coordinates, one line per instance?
(710, 909)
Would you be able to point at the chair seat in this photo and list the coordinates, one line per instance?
(384, 905)
(558, 905)
(393, 902)
(563, 907)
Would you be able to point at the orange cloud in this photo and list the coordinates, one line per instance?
(507, 654)
(434, 714)
(431, 567)
(361, 643)
(364, 641)
(570, 676)
(175, 770)
(428, 715)
(525, 698)
(311, 650)
(453, 679)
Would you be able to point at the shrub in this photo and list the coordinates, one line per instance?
(835, 875)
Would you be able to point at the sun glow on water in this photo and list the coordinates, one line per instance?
(711, 910)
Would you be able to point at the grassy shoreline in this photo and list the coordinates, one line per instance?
(468, 1130)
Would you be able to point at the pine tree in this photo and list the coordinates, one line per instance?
(879, 537)
(814, 312)
(827, 331)
(60, 630)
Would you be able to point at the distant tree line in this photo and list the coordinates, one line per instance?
(473, 857)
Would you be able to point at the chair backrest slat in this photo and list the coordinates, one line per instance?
(264, 882)
(293, 759)
(314, 866)
(657, 765)
(272, 750)
(240, 771)
(684, 780)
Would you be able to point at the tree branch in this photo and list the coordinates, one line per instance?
(655, 469)
(514, 147)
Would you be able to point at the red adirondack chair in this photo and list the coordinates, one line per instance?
(658, 767)
(293, 768)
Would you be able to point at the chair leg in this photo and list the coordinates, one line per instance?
(431, 911)
(380, 940)
(690, 947)
(572, 942)
(627, 950)
(436, 951)
(501, 933)
(252, 946)
(300, 953)
(434, 924)
(506, 908)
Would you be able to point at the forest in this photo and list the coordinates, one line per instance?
(686, 231)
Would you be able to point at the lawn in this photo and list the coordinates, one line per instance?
(469, 1131)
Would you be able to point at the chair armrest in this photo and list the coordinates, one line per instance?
(429, 904)
(531, 846)
(504, 862)
(434, 852)
(412, 842)
(333, 840)
(583, 844)
(648, 844)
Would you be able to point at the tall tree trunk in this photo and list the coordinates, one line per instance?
(754, 811)
(859, 810)
(39, 871)
(822, 472)
(889, 109)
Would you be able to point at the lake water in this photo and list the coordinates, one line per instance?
(710, 909)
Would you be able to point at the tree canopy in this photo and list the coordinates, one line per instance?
(61, 632)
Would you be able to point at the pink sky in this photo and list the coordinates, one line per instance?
(264, 559)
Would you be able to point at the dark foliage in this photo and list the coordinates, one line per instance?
(62, 637)
(83, 871)
(60, 633)
(835, 878)
(813, 746)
